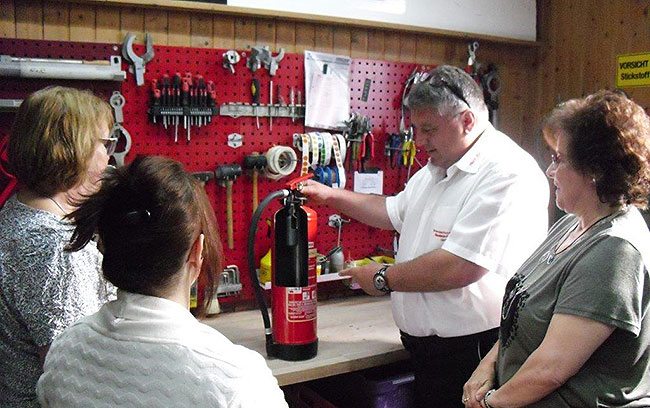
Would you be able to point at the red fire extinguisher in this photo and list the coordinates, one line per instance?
(293, 278)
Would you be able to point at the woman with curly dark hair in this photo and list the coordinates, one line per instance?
(575, 330)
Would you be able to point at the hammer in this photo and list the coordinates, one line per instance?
(225, 175)
(255, 162)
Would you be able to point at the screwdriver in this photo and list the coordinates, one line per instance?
(292, 101)
(255, 92)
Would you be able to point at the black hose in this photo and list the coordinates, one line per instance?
(259, 294)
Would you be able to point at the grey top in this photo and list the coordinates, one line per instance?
(603, 276)
(43, 290)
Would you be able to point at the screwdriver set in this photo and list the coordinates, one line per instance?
(182, 101)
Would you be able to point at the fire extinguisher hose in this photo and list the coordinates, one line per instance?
(259, 294)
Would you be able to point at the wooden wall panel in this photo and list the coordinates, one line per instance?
(201, 31)
(581, 40)
(265, 33)
(57, 24)
(359, 43)
(407, 47)
(342, 40)
(376, 45)
(157, 24)
(179, 29)
(305, 36)
(285, 36)
(132, 21)
(7, 19)
(244, 33)
(82, 23)
(29, 20)
(224, 32)
(391, 45)
(579, 43)
(324, 38)
(107, 20)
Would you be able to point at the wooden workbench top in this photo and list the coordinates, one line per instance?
(353, 334)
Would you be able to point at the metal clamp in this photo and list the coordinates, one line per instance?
(262, 56)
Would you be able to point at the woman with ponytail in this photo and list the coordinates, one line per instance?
(158, 234)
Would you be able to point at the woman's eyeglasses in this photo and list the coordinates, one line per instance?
(110, 143)
(556, 159)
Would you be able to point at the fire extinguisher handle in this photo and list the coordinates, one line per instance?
(293, 183)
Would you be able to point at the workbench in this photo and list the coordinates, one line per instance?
(353, 334)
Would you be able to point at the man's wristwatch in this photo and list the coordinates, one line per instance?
(380, 281)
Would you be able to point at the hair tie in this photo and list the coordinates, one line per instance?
(136, 217)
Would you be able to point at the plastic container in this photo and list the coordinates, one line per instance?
(265, 268)
(385, 260)
(388, 386)
(301, 396)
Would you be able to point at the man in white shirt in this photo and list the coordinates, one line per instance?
(467, 220)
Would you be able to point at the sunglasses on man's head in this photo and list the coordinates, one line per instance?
(439, 82)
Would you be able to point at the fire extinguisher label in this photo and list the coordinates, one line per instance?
(301, 304)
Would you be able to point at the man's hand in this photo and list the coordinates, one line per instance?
(363, 275)
(316, 191)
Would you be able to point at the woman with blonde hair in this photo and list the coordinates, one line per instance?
(58, 150)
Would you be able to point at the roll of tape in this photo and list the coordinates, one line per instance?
(280, 162)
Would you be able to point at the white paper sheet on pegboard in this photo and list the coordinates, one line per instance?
(327, 89)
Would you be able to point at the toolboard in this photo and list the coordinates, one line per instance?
(208, 148)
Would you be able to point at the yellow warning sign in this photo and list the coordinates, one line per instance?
(633, 70)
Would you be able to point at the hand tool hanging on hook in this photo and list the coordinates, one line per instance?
(255, 93)
(137, 61)
(473, 66)
(491, 89)
(118, 132)
(225, 175)
(255, 163)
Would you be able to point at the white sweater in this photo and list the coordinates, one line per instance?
(143, 351)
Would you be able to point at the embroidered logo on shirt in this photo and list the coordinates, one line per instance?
(441, 235)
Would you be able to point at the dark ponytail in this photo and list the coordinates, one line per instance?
(147, 216)
(86, 216)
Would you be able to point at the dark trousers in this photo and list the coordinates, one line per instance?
(442, 365)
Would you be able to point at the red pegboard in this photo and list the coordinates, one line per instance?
(208, 149)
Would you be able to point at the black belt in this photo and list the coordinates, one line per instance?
(447, 342)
